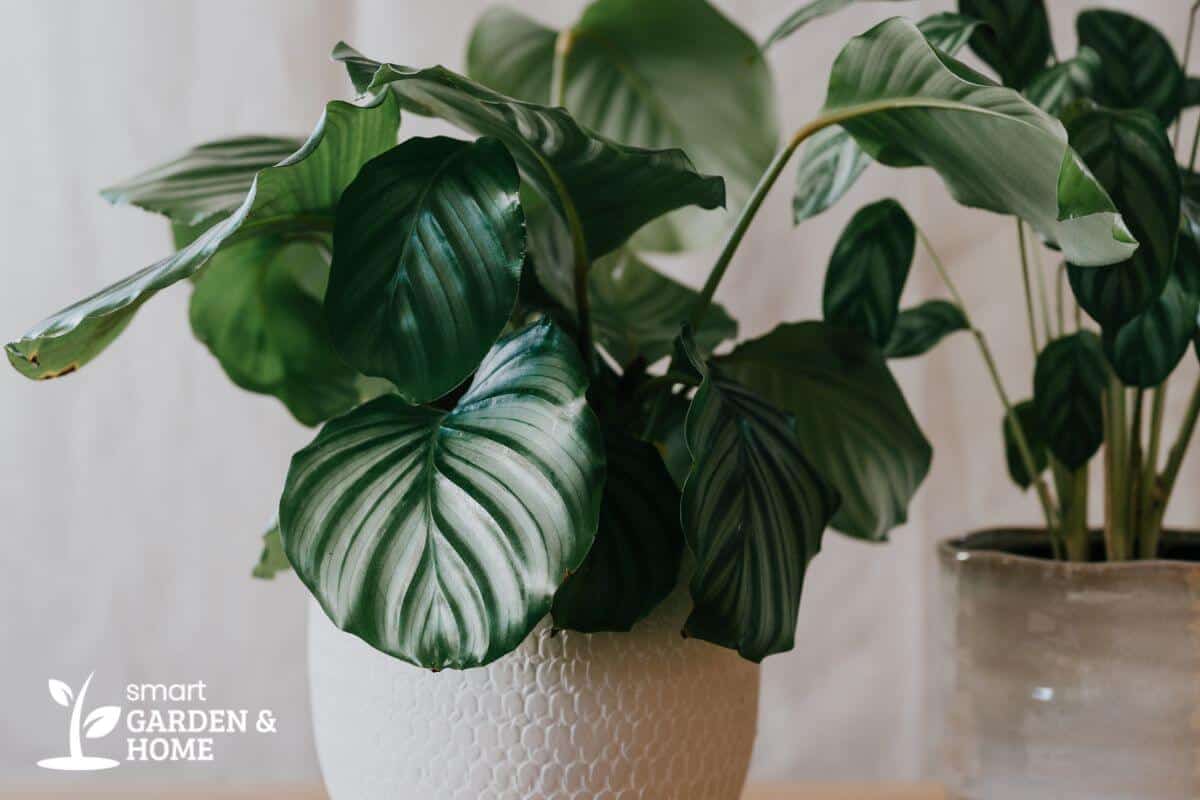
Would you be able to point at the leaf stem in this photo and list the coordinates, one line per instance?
(1023, 447)
(1179, 449)
(563, 45)
(1115, 460)
(1029, 315)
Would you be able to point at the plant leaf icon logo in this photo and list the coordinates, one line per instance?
(99, 723)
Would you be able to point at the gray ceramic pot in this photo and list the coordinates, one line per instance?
(1069, 681)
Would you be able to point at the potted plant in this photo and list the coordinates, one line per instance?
(540, 460)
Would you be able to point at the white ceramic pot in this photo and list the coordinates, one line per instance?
(1068, 681)
(646, 714)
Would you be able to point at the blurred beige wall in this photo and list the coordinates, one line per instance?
(133, 493)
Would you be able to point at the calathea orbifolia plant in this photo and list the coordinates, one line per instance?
(1096, 382)
(521, 415)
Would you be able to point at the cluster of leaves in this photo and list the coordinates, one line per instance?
(476, 321)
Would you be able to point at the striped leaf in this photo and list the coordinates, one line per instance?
(297, 196)
(257, 307)
(672, 73)
(1014, 39)
(1031, 429)
(634, 562)
(850, 417)
(1068, 383)
(909, 105)
(209, 180)
(1062, 84)
(1138, 65)
(613, 189)
(440, 537)
(919, 329)
(753, 513)
(813, 9)
(1129, 153)
(427, 253)
(868, 270)
(831, 161)
(637, 311)
(1145, 350)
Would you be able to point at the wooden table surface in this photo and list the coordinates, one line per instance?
(843, 791)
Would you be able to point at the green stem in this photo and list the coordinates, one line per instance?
(1116, 456)
(1039, 269)
(1133, 477)
(558, 74)
(1023, 447)
(1029, 315)
(1074, 528)
(1179, 449)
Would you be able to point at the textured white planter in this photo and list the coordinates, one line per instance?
(646, 714)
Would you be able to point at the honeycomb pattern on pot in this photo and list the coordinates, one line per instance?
(646, 715)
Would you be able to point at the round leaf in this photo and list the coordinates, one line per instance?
(919, 329)
(1031, 428)
(427, 255)
(1138, 65)
(1145, 350)
(1014, 39)
(440, 537)
(868, 270)
(1068, 384)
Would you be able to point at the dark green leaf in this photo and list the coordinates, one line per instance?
(637, 311)
(427, 254)
(909, 105)
(919, 329)
(753, 514)
(296, 197)
(273, 560)
(1062, 84)
(257, 307)
(1068, 384)
(1031, 427)
(1014, 39)
(1129, 153)
(1145, 350)
(672, 73)
(1191, 92)
(440, 537)
(868, 270)
(634, 562)
(814, 9)
(1138, 65)
(1187, 250)
(850, 418)
(832, 161)
(614, 189)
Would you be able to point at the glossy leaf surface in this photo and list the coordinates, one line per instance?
(1014, 39)
(868, 270)
(614, 189)
(1138, 65)
(1066, 82)
(672, 73)
(1129, 153)
(297, 196)
(440, 537)
(851, 419)
(753, 513)
(909, 105)
(919, 329)
(1068, 384)
(427, 254)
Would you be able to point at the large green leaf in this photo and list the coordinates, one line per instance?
(753, 513)
(427, 254)
(850, 418)
(672, 73)
(919, 329)
(1138, 65)
(637, 311)
(908, 104)
(1129, 153)
(257, 307)
(813, 9)
(440, 537)
(831, 161)
(1031, 427)
(1014, 39)
(868, 270)
(1062, 84)
(613, 189)
(295, 198)
(209, 180)
(1068, 384)
(1145, 350)
(634, 562)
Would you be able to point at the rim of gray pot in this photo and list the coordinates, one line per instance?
(1030, 548)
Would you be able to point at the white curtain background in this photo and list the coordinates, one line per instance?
(132, 494)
